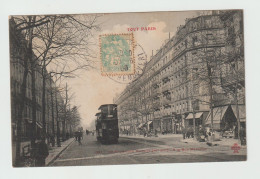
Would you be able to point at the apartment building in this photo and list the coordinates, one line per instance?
(178, 80)
(18, 52)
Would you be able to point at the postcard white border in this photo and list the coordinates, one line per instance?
(176, 170)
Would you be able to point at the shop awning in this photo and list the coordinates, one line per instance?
(242, 112)
(141, 125)
(39, 124)
(197, 115)
(28, 120)
(218, 114)
(149, 122)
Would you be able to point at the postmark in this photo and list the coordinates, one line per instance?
(117, 54)
(140, 63)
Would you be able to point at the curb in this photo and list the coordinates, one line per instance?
(212, 143)
(51, 162)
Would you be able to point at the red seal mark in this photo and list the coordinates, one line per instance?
(236, 148)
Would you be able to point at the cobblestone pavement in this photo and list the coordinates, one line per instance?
(137, 150)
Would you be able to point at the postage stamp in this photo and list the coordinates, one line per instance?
(141, 60)
(117, 54)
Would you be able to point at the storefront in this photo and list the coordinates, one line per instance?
(198, 116)
(223, 119)
(157, 125)
(199, 121)
(167, 124)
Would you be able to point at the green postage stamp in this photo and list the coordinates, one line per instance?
(117, 54)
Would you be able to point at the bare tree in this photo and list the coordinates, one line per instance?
(65, 39)
(22, 33)
(218, 68)
(233, 73)
(204, 70)
(65, 42)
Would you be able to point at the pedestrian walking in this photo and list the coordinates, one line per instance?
(42, 153)
(79, 138)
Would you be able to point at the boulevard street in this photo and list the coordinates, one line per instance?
(143, 150)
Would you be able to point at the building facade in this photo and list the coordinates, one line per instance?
(180, 82)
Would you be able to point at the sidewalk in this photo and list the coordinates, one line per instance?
(159, 136)
(54, 152)
(221, 142)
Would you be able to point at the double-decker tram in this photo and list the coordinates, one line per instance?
(107, 124)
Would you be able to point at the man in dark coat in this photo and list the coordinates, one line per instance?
(42, 153)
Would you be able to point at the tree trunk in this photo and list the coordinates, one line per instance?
(33, 90)
(43, 100)
(210, 95)
(52, 116)
(65, 116)
(34, 108)
(57, 119)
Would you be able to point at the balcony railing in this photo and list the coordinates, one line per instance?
(155, 83)
(156, 105)
(165, 76)
(166, 87)
(155, 95)
(166, 101)
(166, 93)
(155, 90)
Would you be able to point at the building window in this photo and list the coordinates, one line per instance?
(210, 37)
(196, 89)
(194, 40)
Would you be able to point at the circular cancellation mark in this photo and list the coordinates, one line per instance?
(140, 62)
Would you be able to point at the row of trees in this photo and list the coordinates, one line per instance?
(57, 45)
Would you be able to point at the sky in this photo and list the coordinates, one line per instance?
(91, 89)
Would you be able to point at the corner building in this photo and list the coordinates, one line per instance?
(162, 99)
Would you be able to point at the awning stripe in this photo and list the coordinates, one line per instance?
(149, 122)
(218, 114)
(197, 115)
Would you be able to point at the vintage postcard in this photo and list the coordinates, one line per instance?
(127, 88)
